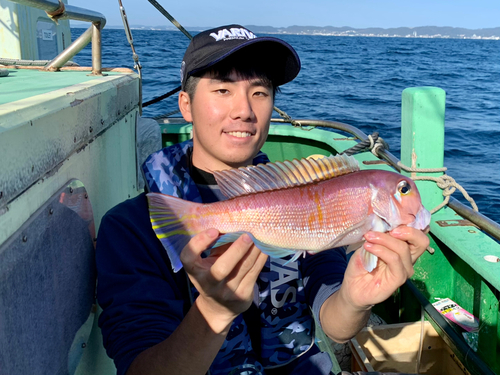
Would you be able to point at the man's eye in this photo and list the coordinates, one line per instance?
(222, 91)
(261, 93)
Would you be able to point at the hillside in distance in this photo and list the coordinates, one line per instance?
(405, 32)
(421, 31)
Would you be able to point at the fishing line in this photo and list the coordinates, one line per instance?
(170, 18)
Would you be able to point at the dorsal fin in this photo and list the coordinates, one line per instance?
(281, 175)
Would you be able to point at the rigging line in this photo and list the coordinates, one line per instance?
(287, 117)
(170, 18)
(166, 115)
(129, 37)
(156, 100)
(373, 143)
(135, 57)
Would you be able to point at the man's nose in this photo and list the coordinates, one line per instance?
(242, 108)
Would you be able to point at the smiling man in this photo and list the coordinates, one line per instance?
(234, 310)
(230, 119)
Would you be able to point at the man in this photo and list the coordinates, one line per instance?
(240, 312)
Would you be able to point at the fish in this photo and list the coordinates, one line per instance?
(293, 208)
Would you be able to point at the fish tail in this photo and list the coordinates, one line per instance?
(173, 224)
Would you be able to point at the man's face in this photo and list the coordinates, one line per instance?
(230, 120)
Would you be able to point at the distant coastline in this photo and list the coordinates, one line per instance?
(398, 32)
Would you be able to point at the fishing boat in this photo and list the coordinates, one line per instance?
(72, 141)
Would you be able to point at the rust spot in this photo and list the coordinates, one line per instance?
(76, 102)
(456, 223)
(375, 162)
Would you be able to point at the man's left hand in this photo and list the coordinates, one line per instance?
(397, 251)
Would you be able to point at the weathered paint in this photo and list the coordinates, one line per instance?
(39, 133)
(422, 137)
(458, 269)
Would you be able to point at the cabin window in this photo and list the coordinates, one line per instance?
(46, 37)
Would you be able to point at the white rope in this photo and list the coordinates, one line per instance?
(444, 182)
(375, 146)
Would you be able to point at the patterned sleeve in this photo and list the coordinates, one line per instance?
(323, 274)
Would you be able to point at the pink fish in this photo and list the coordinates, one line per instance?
(294, 207)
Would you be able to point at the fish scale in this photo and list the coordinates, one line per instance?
(280, 218)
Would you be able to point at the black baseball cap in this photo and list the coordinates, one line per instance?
(212, 46)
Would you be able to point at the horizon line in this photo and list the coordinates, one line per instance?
(284, 27)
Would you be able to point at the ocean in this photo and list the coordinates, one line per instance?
(359, 81)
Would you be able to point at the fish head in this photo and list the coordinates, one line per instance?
(395, 199)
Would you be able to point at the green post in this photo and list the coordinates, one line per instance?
(422, 137)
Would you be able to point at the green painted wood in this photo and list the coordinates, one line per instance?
(422, 136)
(458, 269)
(27, 83)
(486, 309)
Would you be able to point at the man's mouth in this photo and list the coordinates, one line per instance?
(240, 134)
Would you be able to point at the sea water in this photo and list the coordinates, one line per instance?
(359, 81)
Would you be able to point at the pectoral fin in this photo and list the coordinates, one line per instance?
(352, 235)
(354, 246)
(369, 260)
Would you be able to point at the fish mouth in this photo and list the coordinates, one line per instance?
(422, 219)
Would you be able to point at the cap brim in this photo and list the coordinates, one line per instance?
(282, 58)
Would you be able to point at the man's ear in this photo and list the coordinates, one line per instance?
(185, 106)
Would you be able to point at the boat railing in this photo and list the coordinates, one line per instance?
(57, 10)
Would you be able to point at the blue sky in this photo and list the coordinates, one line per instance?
(471, 14)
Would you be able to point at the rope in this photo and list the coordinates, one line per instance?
(288, 118)
(374, 143)
(421, 170)
(445, 182)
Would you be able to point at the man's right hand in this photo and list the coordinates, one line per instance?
(225, 279)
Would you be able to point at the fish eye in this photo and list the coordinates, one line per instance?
(404, 187)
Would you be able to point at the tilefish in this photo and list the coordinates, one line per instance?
(293, 207)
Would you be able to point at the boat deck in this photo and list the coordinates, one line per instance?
(26, 83)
